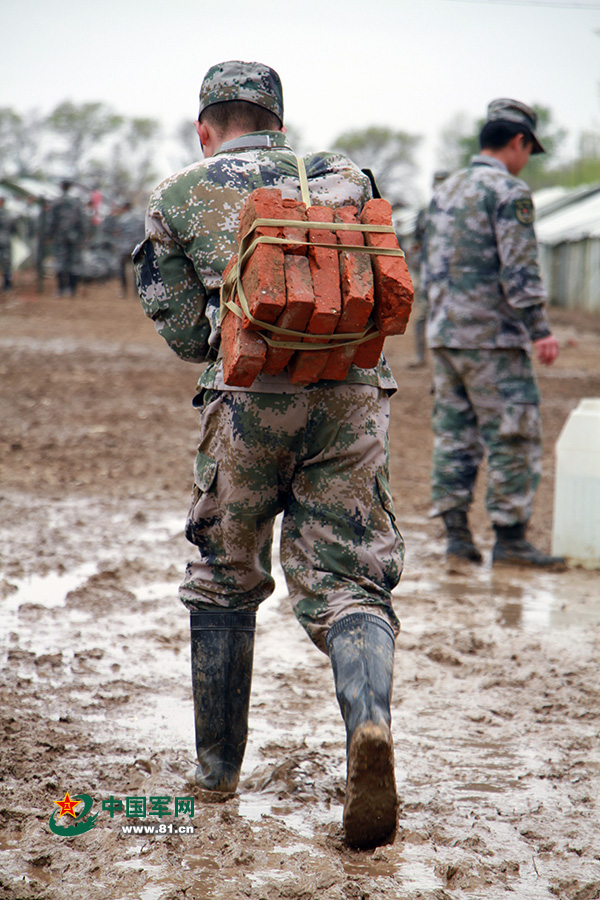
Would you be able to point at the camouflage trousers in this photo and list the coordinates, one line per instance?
(5, 261)
(67, 256)
(320, 457)
(486, 400)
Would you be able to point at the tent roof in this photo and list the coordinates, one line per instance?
(563, 215)
(31, 187)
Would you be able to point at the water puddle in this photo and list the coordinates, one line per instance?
(532, 601)
(46, 590)
(548, 610)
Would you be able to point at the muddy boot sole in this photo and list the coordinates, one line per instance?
(371, 806)
(558, 566)
(537, 560)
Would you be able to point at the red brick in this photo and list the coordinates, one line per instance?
(297, 312)
(356, 277)
(393, 285)
(306, 366)
(367, 355)
(325, 273)
(244, 352)
(267, 203)
(263, 203)
(263, 279)
(291, 209)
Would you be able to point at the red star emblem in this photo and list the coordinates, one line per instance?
(67, 806)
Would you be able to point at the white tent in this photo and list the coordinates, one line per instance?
(568, 231)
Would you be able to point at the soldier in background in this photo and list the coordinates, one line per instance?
(43, 242)
(419, 314)
(129, 232)
(6, 232)
(486, 309)
(68, 230)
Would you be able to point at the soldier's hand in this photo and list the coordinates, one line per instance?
(546, 349)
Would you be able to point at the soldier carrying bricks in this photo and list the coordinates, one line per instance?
(288, 441)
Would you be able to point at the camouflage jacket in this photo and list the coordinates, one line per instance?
(480, 262)
(67, 220)
(7, 228)
(191, 234)
(129, 231)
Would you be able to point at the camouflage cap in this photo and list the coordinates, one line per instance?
(505, 110)
(237, 80)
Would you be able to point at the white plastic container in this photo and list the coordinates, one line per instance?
(576, 531)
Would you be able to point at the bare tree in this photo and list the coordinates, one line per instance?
(21, 145)
(80, 129)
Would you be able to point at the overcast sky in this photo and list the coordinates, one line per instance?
(409, 64)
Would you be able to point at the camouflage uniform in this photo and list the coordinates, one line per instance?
(68, 228)
(416, 259)
(318, 454)
(129, 231)
(420, 301)
(6, 230)
(486, 305)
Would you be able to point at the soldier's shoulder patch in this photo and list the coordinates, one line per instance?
(524, 211)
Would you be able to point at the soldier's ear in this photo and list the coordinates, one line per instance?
(202, 132)
(209, 138)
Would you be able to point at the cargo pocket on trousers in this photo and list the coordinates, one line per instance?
(204, 507)
(387, 503)
(520, 423)
(388, 545)
(385, 495)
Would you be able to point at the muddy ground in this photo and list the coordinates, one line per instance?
(496, 697)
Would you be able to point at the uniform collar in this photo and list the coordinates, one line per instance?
(482, 159)
(258, 140)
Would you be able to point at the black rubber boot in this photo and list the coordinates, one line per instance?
(460, 540)
(511, 549)
(361, 649)
(222, 655)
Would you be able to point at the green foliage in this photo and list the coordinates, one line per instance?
(579, 171)
(390, 156)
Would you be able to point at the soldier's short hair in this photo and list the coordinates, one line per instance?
(496, 135)
(239, 113)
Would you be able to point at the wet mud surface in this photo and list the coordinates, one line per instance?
(496, 710)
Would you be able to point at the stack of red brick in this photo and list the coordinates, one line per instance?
(314, 290)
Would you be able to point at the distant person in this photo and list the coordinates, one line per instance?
(419, 313)
(43, 241)
(129, 232)
(6, 232)
(68, 229)
(486, 309)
